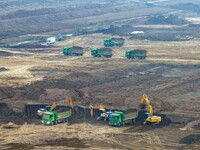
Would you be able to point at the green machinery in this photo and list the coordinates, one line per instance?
(118, 118)
(140, 54)
(101, 52)
(53, 117)
(114, 42)
(73, 51)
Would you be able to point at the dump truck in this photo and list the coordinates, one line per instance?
(59, 37)
(137, 53)
(114, 42)
(118, 118)
(53, 117)
(101, 52)
(73, 51)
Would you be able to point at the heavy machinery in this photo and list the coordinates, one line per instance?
(137, 53)
(118, 118)
(114, 42)
(53, 117)
(66, 102)
(101, 52)
(59, 37)
(149, 115)
(103, 114)
(73, 51)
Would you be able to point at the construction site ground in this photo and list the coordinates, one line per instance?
(169, 76)
(32, 72)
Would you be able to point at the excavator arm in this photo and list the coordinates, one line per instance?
(144, 99)
(65, 102)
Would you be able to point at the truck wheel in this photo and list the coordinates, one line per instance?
(55, 122)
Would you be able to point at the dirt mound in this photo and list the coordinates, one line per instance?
(5, 110)
(162, 106)
(192, 138)
(3, 69)
(78, 96)
(33, 92)
(6, 92)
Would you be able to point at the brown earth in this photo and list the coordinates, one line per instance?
(40, 74)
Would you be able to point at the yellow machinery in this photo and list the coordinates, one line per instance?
(68, 100)
(150, 118)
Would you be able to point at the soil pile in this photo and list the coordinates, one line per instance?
(33, 92)
(6, 92)
(3, 69)
(192, 138)
(163, 106)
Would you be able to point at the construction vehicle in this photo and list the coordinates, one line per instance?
(73, 51)
(103, 114)
(52, 117)
(149, 115)
(114, 42)
(118, 118)
(59, 37)
(101, 52)
(67, 102)
(132, 54)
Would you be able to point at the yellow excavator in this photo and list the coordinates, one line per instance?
(67, 101)
(150, 118)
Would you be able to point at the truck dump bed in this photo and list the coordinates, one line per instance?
(65, 114)
(131, 115)
(76, 49)
(106, 51)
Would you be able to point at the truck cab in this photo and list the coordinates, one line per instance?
(116, 118)
(66, 51)
(49, 118)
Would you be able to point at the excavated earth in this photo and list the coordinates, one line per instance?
(33, 74)
(117, 83)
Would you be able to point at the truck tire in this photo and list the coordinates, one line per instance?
(55, 122)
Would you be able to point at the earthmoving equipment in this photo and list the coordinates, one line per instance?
(73, 51)
(53, 117)
(118, 118)
(101, 52)
(114, 42)
(59, 37)
(149, 116)
(103, 114)
(140, 54)
(66, 102)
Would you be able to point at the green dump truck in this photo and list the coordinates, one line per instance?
(73, 51)
(114, 42)
(53, 117)
(101, 52)
(118, 118)
(137, 53)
